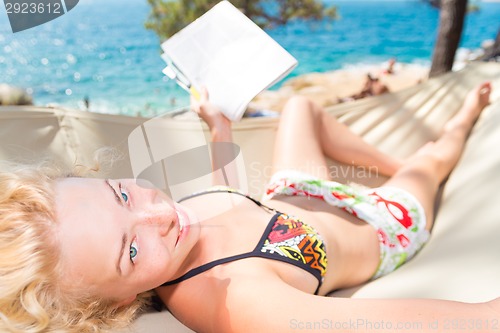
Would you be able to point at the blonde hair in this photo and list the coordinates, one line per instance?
(31, 297)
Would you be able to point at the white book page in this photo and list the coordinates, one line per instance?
(227, 53)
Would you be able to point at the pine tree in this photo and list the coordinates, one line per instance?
(167, 16)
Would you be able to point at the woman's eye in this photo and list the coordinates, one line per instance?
(133, 251)
(123, 193)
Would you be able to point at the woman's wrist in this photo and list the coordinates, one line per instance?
(220, 129)
(219, 121)
(212, 116)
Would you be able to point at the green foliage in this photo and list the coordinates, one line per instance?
(169, 16)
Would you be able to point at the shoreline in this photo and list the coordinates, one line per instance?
(324, 88)
(328, 87)
(333, 87)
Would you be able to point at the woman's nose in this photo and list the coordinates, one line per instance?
(160, 219)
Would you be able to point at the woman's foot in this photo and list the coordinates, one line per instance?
(474, 103)
(456, 130)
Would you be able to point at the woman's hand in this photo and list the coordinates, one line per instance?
(210, 114)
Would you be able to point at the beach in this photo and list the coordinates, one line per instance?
(103, 55)
(331, 87)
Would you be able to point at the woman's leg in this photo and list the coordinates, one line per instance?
(298, 141)
(307, 133)
(424, 171)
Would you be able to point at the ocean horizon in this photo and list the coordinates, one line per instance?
(100, 51)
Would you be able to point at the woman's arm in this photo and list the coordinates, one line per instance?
(272, 306)
(221, 138)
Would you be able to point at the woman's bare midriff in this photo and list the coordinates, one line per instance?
(352, 250)
(352, 245)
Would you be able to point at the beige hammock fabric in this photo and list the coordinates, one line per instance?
(461, 261)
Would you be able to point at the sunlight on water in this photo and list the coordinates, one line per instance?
(101, 53)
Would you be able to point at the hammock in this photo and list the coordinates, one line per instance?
(460, 262)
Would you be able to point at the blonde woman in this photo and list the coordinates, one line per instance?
(80, 254)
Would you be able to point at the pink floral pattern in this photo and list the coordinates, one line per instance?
(396, 214)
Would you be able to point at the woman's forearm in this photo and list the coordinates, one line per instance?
(221, 130)
(223, 152)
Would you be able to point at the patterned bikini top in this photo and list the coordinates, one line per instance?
(285, 238)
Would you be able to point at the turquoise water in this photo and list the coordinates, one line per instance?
(101, 51)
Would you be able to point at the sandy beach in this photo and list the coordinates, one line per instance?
(327, 88)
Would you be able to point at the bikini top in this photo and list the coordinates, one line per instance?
(285, 238)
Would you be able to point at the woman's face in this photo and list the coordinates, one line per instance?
(119, 238)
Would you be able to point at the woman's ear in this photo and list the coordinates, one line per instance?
(126, 301)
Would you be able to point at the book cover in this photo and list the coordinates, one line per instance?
(224, 51)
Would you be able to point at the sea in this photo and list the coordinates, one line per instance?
(100, 54)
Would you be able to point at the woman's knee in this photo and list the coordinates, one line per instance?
(299, 105)
(421, 170)
(301, 111)
(298, 100)
(435, 161)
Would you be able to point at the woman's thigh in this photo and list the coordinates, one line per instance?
(298, 144)
(419, 179)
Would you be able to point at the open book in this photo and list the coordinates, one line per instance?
(227, 53)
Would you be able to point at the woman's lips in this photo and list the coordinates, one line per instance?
(183, 224)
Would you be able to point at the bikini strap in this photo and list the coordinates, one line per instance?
(207, 266)
(223, 189)
(203, 268)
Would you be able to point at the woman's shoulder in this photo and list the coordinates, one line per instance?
(215, 292)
